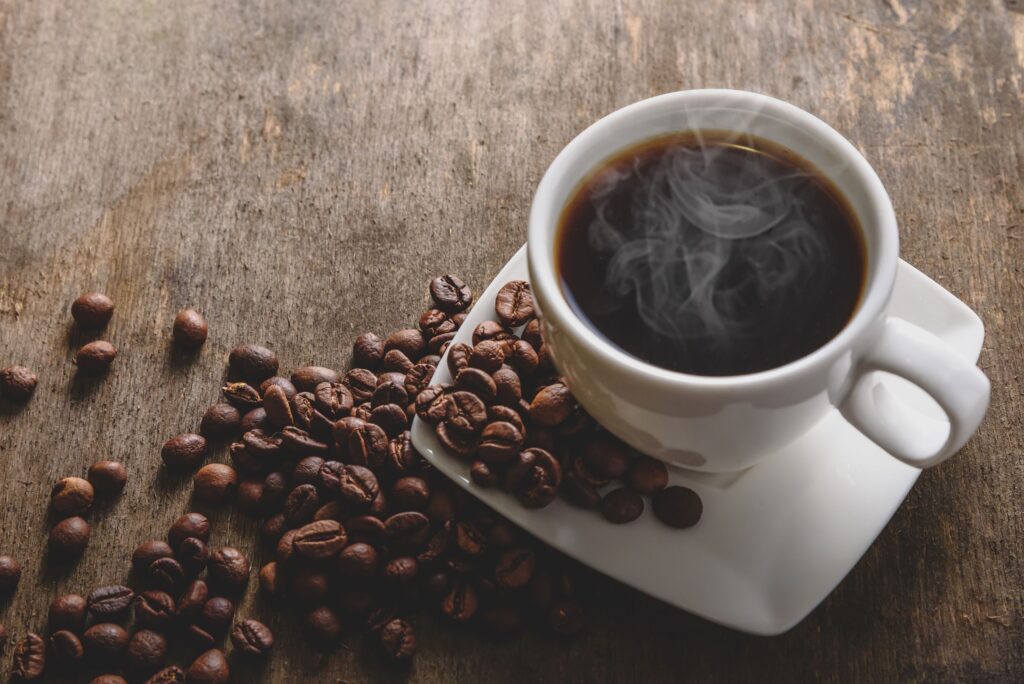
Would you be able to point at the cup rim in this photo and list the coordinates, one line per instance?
(546, 210)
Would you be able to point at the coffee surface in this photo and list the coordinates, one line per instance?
(711, 253)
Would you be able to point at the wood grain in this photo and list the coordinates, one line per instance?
(298, 170)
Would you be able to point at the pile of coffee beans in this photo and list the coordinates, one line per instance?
(71, 499)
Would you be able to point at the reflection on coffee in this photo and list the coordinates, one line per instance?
(711, 253)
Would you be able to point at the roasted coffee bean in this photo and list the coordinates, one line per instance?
(515, 568)
(214, 483)
(249, 497)
(210, 667)
(398, 639)
(381, 614)
(104, 641)
(358, 486)
(483, 475)
(322, 626)
(433, 404)
(402, 457)
(506, 414)
(268, 578)
(284, 552)
(409, 341)
(500, 442)
(148, 551)
(410, 494)
(380, 508)
(584, 473)
(10, 574)
(165, 573)
(438, 344)
(183, 452)
(647, 475)
(189, 525)
(552, 405)
(508, 388)
(201, 636)
(278, 408)
(71, 496)
(460, 603)
(492, 330)
(300, 505)
(430, 360)
(606, 456)
(193, 598)
(361, 383)
(320, 539)
(29, 658)
(275, 489)
(168, 675)
(358, 560)
(407, 531)
(580, 492)
(272, 528)
(332, 510)
(242, 395)
(263, 446)
(488, 356)
(478, 382)
(622, 506)
(252, 362)
(307, 470)
(364, 443)
(367, 351)
(416, 380)
(155, 609)
(450, 294)
(66, 612)
(333, 400)
(459, 443)
(396, 361)
(146, 651)
(523, 358)
(400, 571)
(253, 419)
(309, 586)
(297, 441)
(107, 478)
(228, 568)
(365, 528)
(466, 412)
(514, 303)
(532, 334)
(285, 384)
(436, 544)
(328, 476)
(66, 648)
(436, 322)
(306, 379)
(18, 383)
(252, 637)
(458, 357)
(539, 484)
(193, 555)
(389, 393)
(69, 537)
(95, 357)
(392, 419)
(92, 310)
(109, 601)
(579, 422)
(217, 614)
(470, 539)
(678, 507)
(190, 329)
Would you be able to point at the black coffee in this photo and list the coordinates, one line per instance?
(711, 253)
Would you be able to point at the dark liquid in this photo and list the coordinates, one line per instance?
(711, 254)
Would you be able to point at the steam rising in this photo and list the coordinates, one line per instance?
(711, 244)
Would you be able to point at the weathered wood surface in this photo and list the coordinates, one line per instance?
(298, 170)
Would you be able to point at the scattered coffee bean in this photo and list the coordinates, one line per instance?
(108, 478)
(92, 310)
(69, 537)
(193, 598)
(210, 667)
(149, 551)
(190, 329)
(10, 574)
(29, 658)
(622, 506)
(245, 397)
(514, 303)
(71, 496)
(146, 651)
(189, 525)
(105, 641)
(184, 452)
(252, 362)
(252, 637)
(679, 507)
(95, 357)
(398, 639)
(221, 421)
(229, 568)
(17, 383)
(450, 294)
(66, 612)
(154, 609)
(214, 483)
(367, 351)
(110, 601)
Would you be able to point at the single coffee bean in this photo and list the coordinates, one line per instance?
(147, 552)
(433, 404)
(184, 452)
(190, 603)
(466, 413)
(402, 457)
(396, 361)
(409, 341)
(296, 441)
(407, 531)
(538, 485)
(398, 639)
(367, 351)
(92, 310)
(10, 574)
(450, 293)
(532, 334)
(268, 578)
(436, 545)
(252, 637)
(307, 471)
(253, 419)
(500, 442)
(272, 528)
(242, 395)
(515, 568)
(189, 525)
(333, 400)
(210, 667)
(389, 393)
(492, 330)
(400, 571)
(606, 456)
(106, 602)
(108, 478)
(410, 494)
(488, 356)
(285, 384)
(622, 506)
(284, 552)
(470, 539)
(361, 383)
(217, 614)
(95, 357)
(66, 612)
(193, 554)
(146, 651)
(275, 489)
(367, 444)
(17, 383)
(71, 496)
(229, 568)
(190, 329)
(322, 626)
(66, 648)
(458, 357)
(169, 675)
(328, 477)
(678, 507)
(29, 658)
(300, 505)
(483, 475)
(278, 408)
(358, 486)
(416, 380)
(523, 358)
(252, 362)
(514, 303)
(104, 641)
(478, 382)
(358, 560)
(306, 379)
(436, 322)
(69, 537)
(460, 603)
(155, 609)
(249, 497)
(459, 443)
(214, 483)
(647, 475)
(309, 586)
(320, 539)
(392, 419)
(332, 510)
(552, 405)
(505, 414)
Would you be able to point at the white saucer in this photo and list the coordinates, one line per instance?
(775, 539)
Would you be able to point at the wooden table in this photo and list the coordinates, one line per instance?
(299, 170)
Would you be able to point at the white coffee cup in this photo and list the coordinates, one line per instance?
(721, 424)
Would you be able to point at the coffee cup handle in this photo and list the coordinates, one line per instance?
(957, 386)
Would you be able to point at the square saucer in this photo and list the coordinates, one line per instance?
(775, 539)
